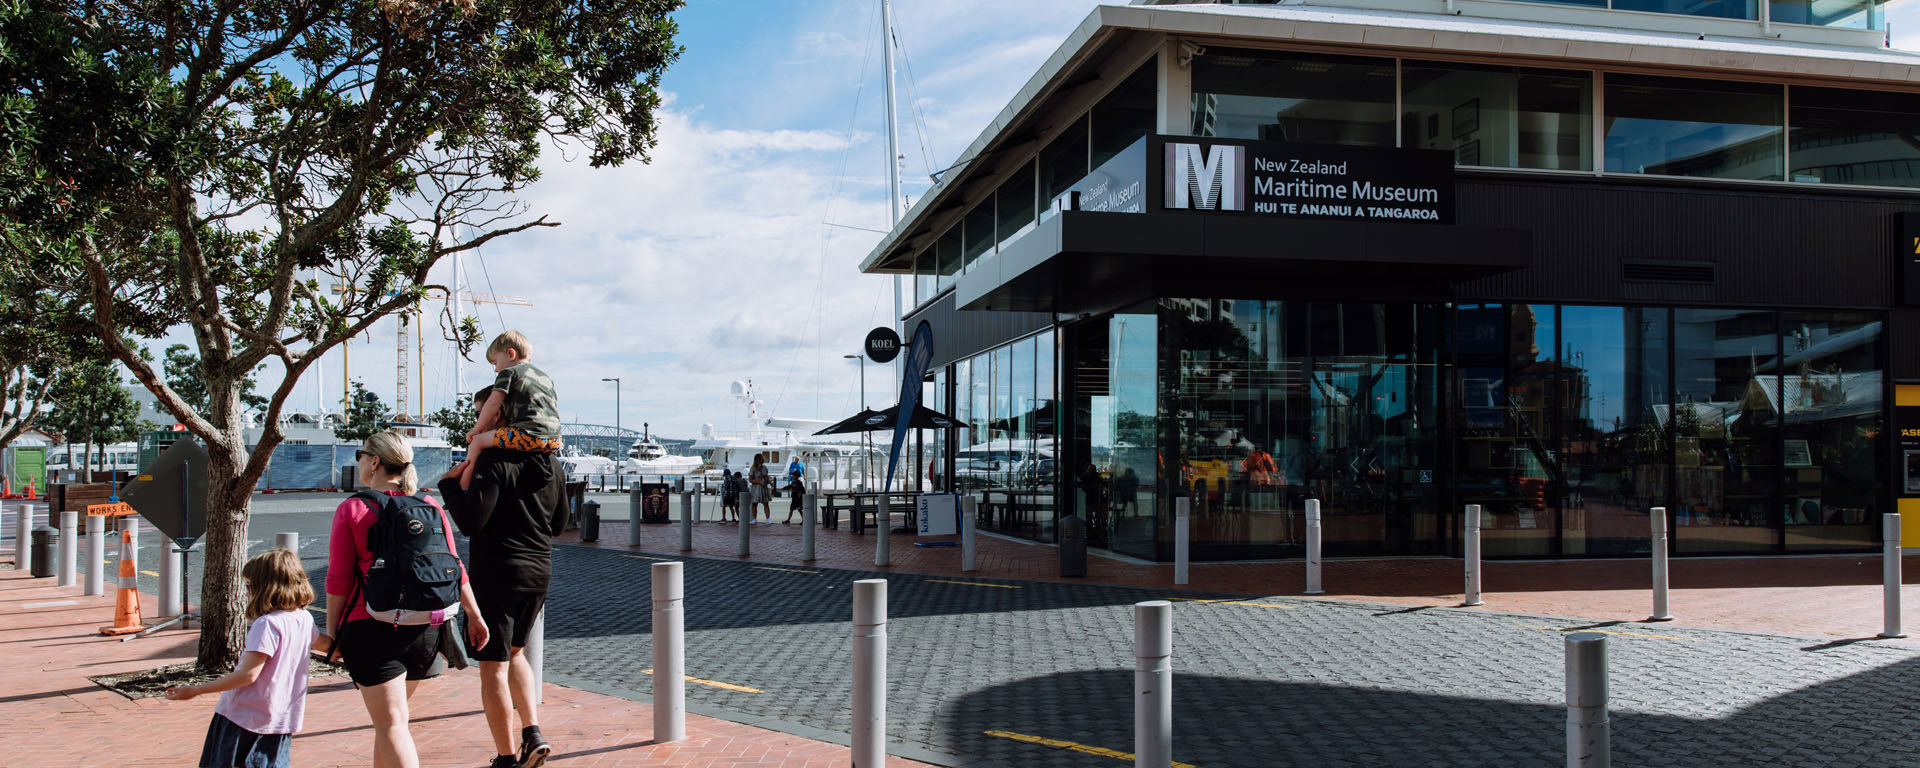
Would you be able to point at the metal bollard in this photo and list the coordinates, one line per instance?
(1473, 556)
(809, 517)
(536, 653)
(1589, 734)
(746, 528)
(22, 533)
(1890, 573)
(69, 548)
(869, 673)
(1182, 538)
(171, 572)
(288, 541)
(883, 525)
(96, 557)
(634, 506)
(969, 519)
(1658, 521)
(590, 522)
(689, 504)
(1153, 684)
(1313, 548)
(669, 654)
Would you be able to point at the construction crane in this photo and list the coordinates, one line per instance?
(411, 343)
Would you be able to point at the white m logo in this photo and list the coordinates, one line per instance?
(1212, 182)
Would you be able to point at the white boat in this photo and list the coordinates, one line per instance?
(647, 457)
(579, 466)
(831, 466)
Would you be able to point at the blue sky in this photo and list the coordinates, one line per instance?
(717, 261)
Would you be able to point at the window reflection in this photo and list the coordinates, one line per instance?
(1124, 115)
(1828, 399)
(1726, 437)
(1613, 385)
(1677, 127)
(1014, 203)
(947, 259)
(1298, 97)
(978, 229)
(1499, 116)
(1856, 137)
(1507, 459)
(1848, 14)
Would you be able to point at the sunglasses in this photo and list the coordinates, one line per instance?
(358, 455)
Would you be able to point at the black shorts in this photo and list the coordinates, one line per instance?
(509, 616)
(375, 652)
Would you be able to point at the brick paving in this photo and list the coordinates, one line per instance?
(1822, 596)
(53, 716)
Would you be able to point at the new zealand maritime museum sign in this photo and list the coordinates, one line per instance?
(1166, 174)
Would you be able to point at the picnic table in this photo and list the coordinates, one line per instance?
(863, 504)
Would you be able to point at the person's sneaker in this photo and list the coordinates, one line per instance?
(533, 748)
(504, 761)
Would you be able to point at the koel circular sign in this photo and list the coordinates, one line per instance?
(883, 345)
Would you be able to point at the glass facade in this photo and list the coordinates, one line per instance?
(1299, 97)
(1674, 127)
(1855, 137)
(1500, 117)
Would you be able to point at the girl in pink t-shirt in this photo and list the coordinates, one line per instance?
(262, 700)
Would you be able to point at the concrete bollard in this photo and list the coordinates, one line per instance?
(1182, 538)
(969, 519)
(883, 527)
(96, 557)
(1890, 573)
(669, 654)
(171, 571)
(1589, 734)
(746, 527)
(1313, 548)
(1472, 541)
(69, 548)
(287, 541)
(869, 673)
(689, 509)
(809, 518)
(1657, 519)
(1153, 684)
(22, 537)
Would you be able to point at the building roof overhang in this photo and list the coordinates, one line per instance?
(1386, 32)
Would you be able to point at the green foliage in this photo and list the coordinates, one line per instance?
(456, 419)
(365, 416)
(184, 377)
(93, 406)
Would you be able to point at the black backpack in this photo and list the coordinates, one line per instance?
(412, 568)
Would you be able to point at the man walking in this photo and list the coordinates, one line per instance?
(512, 510)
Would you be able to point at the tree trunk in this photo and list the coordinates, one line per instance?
(229, 500)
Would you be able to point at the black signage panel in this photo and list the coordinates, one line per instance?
(1119, 185)
(1907, 250)
(883, 345)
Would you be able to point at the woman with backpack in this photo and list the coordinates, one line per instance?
(393, 579)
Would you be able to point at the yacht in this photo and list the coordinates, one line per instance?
(647, 457)
(831, 466)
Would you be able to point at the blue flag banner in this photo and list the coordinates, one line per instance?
(913, 371)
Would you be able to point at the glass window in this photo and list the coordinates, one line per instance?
(1724, 9)
(1829, 399)
(947, 258)
(1002, 427)
(1013, 203)
(937, 439)
(979, 239)
(1298, 97)
(1613, 394)
(925, 277)
(1849, 14)
(1063, 162)
(1856, 137)
(1726, 440)
(1124, 115)
(1499, 116)
(1508, 462)
(1677, 127)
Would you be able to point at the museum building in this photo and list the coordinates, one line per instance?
(1570, 262)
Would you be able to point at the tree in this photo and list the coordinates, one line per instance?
(93, 406)
(184, 375)
(456, 419)
(35, 353)
(365, 415)
(210, 163)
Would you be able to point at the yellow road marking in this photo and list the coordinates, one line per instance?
(1231, 602)
(1622, 634)
(714, 683)
(151, 573)
(648, 557)
(975, 584)
(787, 570)
(1073, 745)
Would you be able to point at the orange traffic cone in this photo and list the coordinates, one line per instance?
(30, 494)
(6, 487)
(126, 605)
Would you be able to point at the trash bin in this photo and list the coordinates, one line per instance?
(349, 474)
(46, 540)
(1073, 546)
(590, 521)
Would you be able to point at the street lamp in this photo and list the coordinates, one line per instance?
(616, 414)
(866, 438)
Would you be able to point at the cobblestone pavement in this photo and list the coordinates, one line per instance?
(986, 673)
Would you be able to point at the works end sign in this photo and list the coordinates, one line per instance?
(1275, 178)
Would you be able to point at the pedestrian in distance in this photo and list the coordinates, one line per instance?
(385, 623)
(798, 487)
(263, 700)
(510, 509)
(760, 490)
(522, 413)
(730, 495)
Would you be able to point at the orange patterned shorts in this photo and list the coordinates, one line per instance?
(516, 440)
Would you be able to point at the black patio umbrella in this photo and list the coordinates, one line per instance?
(884, 420)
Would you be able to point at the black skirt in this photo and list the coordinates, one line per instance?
(231, 746)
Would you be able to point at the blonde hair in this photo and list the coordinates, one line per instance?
(511, 340)
(277, 582)
(396, 457)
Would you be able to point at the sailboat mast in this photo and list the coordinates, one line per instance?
(893, 163)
